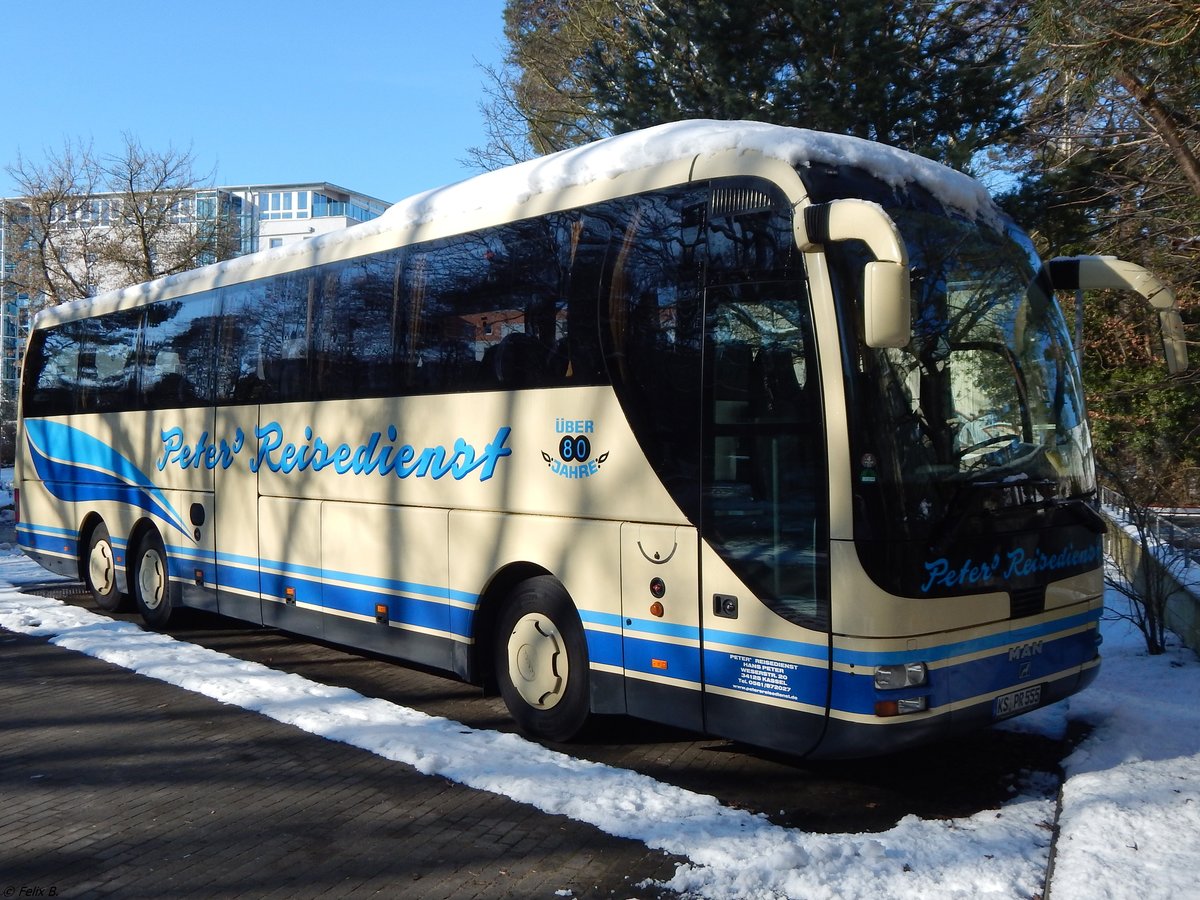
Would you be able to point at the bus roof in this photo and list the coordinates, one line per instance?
(596, 162)
(610, 157)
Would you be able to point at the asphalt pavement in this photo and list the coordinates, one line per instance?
(114, 784)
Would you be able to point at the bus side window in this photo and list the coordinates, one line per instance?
(355, 346)
(177, 357)
(108, 362)
(51, 369)
(240, 372)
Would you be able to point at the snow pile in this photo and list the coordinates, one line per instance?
(1129, 821)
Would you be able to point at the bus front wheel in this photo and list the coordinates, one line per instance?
(151, 580)
(541, 660)
(100, 571)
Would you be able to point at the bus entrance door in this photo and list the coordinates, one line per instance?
(660, 623)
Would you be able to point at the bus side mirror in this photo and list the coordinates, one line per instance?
(887, 316)
(887, 312)
(1086, 273)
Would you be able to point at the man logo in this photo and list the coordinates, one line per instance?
(1025, 651)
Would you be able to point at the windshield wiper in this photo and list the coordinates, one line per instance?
(1086, 514)
(961, 504)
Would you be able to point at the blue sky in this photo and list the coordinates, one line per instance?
(380, 97)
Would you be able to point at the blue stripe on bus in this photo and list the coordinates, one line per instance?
(666, 629)
(856, 693)
(38, 542)
(430, 614)
(943, 652)
(183, 568)
(636, 648)
(76, 466)
(802, 649)
(369, 581)
(676, 661)
(790, 681)
(46, 529)
(591, 617)
(604, 647)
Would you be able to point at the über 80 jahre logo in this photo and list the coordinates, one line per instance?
(574, 455)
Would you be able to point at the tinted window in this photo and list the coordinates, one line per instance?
(495, 310)
(653, 319)
(51, 370)
(108, 362)
(177, 353)
(247, 330)
(361, 315)
(501, 309)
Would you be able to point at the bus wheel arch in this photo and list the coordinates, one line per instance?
(485, 621)
(98, 568)
(148, 571)
(540, 659)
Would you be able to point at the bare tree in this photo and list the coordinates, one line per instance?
(86, 223)
(540, 100)
(53, 235)
(156, 227)
(1155, 564)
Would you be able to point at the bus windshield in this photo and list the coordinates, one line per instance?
(986, 398)
(977, 427)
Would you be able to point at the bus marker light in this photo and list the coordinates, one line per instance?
(890, 678)
(381, 613)
(907, 705)
(199, 576)
(656, 610)
(289, 594)
(659, 664)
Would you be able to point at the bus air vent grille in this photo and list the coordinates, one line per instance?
(1027, 602)
(731, 201)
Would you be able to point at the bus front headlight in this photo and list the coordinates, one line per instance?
(905, 675)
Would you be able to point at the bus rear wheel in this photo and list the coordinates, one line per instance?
(151, 580)
(541, 660)
(100, 571)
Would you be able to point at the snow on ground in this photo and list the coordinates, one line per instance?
(1130, 822)
(1131, 804)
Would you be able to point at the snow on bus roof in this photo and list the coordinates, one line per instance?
(598, 161)
(614, 156)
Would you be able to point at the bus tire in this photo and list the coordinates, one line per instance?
(541, 660)
(100, 571)
(150, 580)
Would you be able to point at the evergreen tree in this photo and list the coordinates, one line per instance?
(934, 78)
(1112, 131)
(928, 77)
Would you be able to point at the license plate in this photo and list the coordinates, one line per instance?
(1017, 701)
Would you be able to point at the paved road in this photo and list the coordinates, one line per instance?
(118, 785)
(114, 783)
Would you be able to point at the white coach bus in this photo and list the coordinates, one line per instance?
(756, 431)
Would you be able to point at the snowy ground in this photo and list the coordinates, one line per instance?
(1130, 817)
